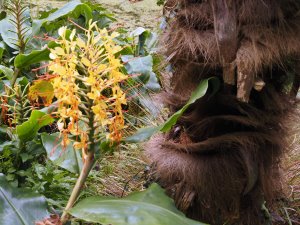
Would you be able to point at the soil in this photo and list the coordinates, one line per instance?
(130, 14)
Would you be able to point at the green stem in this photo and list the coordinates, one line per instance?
(21, 43)
(13, 80)
(91, 118)
(21, 109)
(15, 77)
(21, 149)
(88, 165)
(19, 27)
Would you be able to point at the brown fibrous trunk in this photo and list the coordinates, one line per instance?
(221, 161)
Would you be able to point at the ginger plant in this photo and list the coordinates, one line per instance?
(87, 81)
(18, 36)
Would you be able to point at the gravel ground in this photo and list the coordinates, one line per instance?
(142, 13)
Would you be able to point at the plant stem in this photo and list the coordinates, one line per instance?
(20, 112)
(12, 84)
(14, 78)
(17, 10)
(21, 148)
(87, 166)
(18, 13)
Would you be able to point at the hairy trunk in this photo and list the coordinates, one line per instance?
(221, 161)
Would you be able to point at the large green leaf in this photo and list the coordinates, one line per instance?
(41, 89)
(36, 56)
(20, 206)
(2, 49)
(147, 41)
(8, 30)
(199, 92)
(142, 134)
(8, 72)
(151, 207)
(75, 7)
(153, 83)
(145, 133)
(139, 65)
(50, 109)
(138, 31)
(67, 158)
(142, 66)
(6, 144)
(84, 10)
(28, 130)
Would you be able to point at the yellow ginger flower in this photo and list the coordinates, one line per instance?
(87, 85)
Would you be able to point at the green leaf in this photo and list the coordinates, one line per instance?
(8, 72)
(28, 130)
(2, 48)
(25, 157)
(36, 56)
(199, 92)
(41, 89)
(2, 13)
(147, 41)
(151, 207)
(70, 7)
(144, 67)
(142, 134)
(22, 81)
(50, 109)
(20, 206)
(153, 83)
(67, 158)
(8, 30)
(6, 144)
(151, 42)
(3, 134)
(137, 32)
(160, 2)
(145, 133)
(107, 146)
(84, 10)
(139, 65)
(141, 43)
(100, 14)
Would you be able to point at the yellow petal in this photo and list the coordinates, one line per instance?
(62, 31)
(114, 35)
(59, 51)
(80, 43)
(72, 34)
(60, 125)
(85, 61)
(52, 56)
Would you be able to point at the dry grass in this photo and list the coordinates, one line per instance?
(291, 166)
(120, 173)
(292, 173)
